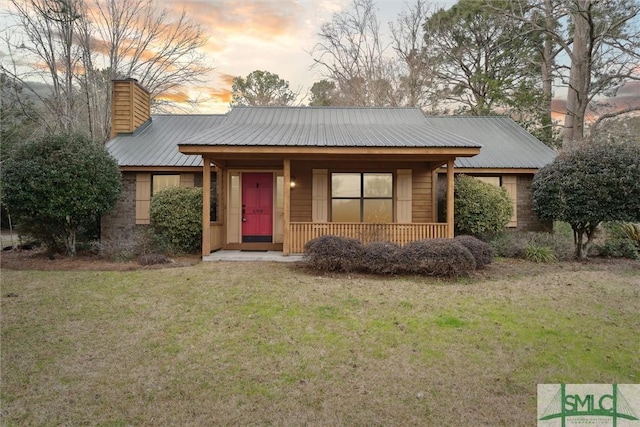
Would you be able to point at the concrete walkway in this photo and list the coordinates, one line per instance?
(271, 256)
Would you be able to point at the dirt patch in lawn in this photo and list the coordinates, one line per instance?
(38, 259)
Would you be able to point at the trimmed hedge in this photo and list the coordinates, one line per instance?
(482, 252)
(334, 253)
(381, 258)
(439, 257)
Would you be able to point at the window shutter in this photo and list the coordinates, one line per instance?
(404, 196)
(143, 198)
(510, 183)
(319, 195)
(187, 180)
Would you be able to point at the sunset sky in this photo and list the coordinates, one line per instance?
(271, 35)
(278, 36)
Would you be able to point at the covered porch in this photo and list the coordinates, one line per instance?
(301, 206)
(286, 175)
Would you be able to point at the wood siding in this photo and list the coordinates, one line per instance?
(130, 106)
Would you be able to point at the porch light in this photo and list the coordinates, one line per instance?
(292, 183)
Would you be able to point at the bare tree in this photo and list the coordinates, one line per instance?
(352, 54)
(83, 44)
(407, 32)
(601, 40)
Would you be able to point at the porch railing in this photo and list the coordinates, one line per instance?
(302, 232)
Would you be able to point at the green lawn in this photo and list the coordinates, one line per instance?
(271, 344)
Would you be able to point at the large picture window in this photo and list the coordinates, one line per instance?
(362, 197)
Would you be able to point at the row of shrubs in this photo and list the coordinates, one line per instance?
(437, 257)
(617, 240)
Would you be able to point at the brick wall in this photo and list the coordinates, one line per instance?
(118, 227)
(527, 219)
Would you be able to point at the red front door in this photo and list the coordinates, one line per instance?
(257, 207)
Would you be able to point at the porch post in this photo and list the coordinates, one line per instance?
(206, 206)
(286, 245)
(450, 198)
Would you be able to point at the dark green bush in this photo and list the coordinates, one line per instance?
(176, 219)
(482, 251)
(56, 188)
(437, 257)
(617, 248)
(381, 258)
(334, 253)
(481, 209)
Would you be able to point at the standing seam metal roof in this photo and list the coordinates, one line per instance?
(505, 144)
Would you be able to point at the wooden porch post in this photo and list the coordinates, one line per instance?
(450, 198)
(206, 206)
(286, 244)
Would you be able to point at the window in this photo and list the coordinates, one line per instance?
(362, 197)
(165, 181)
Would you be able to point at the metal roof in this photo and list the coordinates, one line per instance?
(156, 144)
(504, 143)
(326, 127)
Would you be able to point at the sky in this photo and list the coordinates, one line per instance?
(271, 35)
(277, 36)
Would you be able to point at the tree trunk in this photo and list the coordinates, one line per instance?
(580, 74)
(547, 73)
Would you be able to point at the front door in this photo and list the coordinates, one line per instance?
(257, 207)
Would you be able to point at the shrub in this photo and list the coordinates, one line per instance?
(481, 209)
(596, 181)
(617, 248)
(482, 252)
(381, 258)
(438, 257)
(539, 254)
(58, 185)
(625, 230)
(513, 244)
(333, 253)
(176, 219)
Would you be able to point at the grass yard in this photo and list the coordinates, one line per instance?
(271, 344)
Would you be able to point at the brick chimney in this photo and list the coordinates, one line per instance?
(130, 106)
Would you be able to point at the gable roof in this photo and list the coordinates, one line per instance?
(327, 127)
(505, 144)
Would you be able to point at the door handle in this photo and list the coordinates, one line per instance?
(244, 219)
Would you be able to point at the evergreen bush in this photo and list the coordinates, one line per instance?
(176, 219)
(481, 209)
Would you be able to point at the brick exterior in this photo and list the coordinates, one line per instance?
(527, 219)
(118, 227)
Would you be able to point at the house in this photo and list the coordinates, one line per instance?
(274, 178)
(509, 158)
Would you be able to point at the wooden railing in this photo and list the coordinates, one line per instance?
(302, 232)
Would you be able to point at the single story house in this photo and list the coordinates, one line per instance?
(274, 178)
